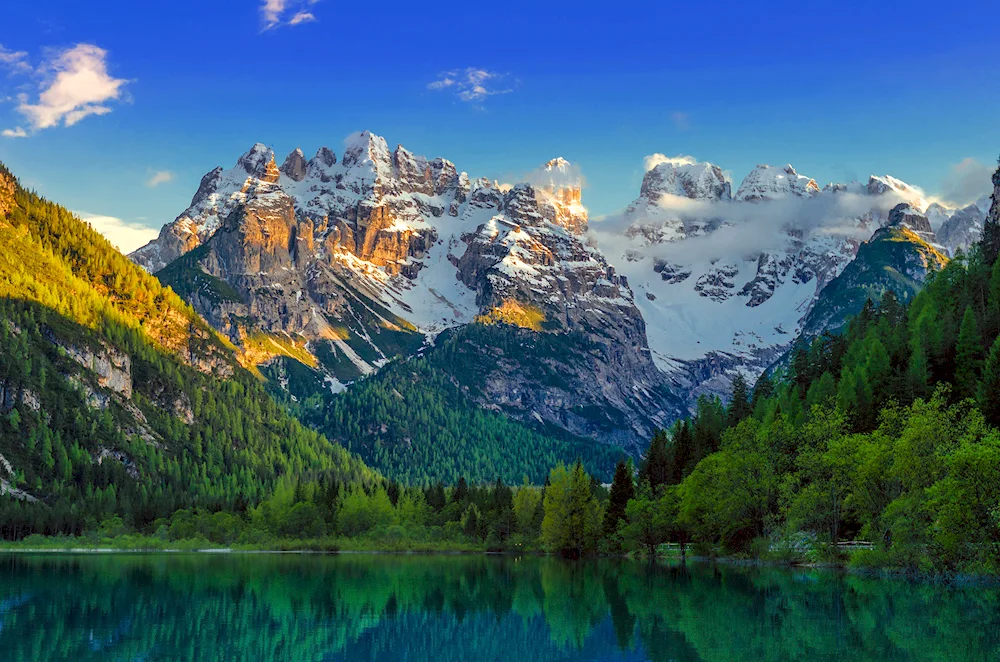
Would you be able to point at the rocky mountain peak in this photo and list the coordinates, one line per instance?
(325, 156)
(687, 179)
(257, 162)
(363, 147)
(209, 183)
(295, 165)
(559, 187)
(906, 215)
(890, 185)
(961, 229)
(767, 182)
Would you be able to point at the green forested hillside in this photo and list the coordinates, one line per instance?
(896, 259)
(417, 423)
(115, 397)
(887, 433)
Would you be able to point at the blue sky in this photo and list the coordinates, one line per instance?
(108, 94)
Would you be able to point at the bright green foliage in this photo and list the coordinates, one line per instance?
(116, 399)
(527, 504)
(572, 522)
(647, 523)
(968, 356)
(989, 387)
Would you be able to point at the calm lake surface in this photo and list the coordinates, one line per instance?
(415, 608)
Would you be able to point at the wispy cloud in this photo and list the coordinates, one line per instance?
(654, 160)
(743, 229)
(124, 235)
(74, 84)
(472, 85)
(302, 17)
(15, 61)
(681, 120)
(276, 13)
(966, 181)
(160, 177)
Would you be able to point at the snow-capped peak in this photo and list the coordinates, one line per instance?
(767, 182)
(887, 184)
(686, 178)
(255, 161)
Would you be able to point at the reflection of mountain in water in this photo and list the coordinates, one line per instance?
(436, 608)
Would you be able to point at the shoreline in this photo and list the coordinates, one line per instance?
(958, 580)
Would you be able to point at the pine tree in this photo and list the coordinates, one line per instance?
(762, 390)
(989, 387)
(739, 401)
(655, 466)
(800, 366)
(622, 490)
(683, 452)
(461, 492)
(968, 356)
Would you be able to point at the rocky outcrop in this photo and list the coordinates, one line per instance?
(111, 368)
(7, 187)
(962, 229)
(905, 215)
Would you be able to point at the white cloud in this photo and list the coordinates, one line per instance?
(75, 84)
(160, 177)
(125, 236)
(966, 181)
(472, 85)
(273, 13)
(654, 160)
(16, 61)
(745, 230)
(302, 17)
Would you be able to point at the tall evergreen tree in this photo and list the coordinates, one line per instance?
(622, 491)
(655, 466)
(968, 356)
(989, 387)
(739, 401)
(682, 453)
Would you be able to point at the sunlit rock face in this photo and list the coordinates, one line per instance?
(366, 258)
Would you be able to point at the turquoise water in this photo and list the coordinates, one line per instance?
(442, 608)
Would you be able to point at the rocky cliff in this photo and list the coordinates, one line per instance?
(344, 265)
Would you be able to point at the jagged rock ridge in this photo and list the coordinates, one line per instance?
(344, 265)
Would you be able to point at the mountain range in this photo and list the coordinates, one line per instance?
(602, 329)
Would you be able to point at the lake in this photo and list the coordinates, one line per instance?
(263, 607)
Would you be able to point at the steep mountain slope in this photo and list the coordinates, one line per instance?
(115, 397)
(345, 265)
(958, 229)
(897, 258)
(724, 281)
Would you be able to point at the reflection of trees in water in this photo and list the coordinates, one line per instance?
(190, 607)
